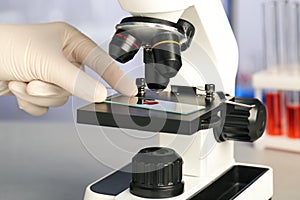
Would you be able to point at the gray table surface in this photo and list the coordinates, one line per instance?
(48, 161)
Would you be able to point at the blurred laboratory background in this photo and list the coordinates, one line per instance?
(46, 158)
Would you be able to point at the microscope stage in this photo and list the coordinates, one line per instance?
(155, 104)
(183, 114)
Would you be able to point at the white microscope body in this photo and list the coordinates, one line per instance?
(212, 56)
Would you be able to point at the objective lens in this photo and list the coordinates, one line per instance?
(123, 46)
(154, 79)
(167, 54)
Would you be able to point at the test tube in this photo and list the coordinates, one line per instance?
(270, 35)
(292, 38)
(298, 34)
(293, 100)
(282, 29)
(293, 114)
(274, 59)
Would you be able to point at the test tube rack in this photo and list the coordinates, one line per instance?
(284, 81)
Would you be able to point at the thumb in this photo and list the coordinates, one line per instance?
(4, 90)
(76, 81)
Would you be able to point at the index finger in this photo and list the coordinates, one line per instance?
(86, 51)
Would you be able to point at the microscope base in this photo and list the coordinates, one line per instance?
(238, 182)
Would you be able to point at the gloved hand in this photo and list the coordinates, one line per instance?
(40, 65)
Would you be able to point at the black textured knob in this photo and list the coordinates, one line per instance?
(244, 123)
(157, 173)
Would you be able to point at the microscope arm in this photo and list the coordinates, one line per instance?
(215, 36)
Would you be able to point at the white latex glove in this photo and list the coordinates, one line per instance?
(40, 65)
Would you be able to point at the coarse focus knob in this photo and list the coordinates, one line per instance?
(157, 173)
(243, 123)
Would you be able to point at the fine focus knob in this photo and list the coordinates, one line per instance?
(157, 173)
(243, 123)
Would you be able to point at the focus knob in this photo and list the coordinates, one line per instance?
(157, 173)
(244, 123)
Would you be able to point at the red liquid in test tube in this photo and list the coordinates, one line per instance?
(274, 113)
(293, 117)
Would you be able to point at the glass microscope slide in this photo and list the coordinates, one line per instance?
(155, 104)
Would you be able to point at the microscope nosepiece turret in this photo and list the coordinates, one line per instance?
(163, 42)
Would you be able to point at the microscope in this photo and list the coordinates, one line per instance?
(186, 45)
